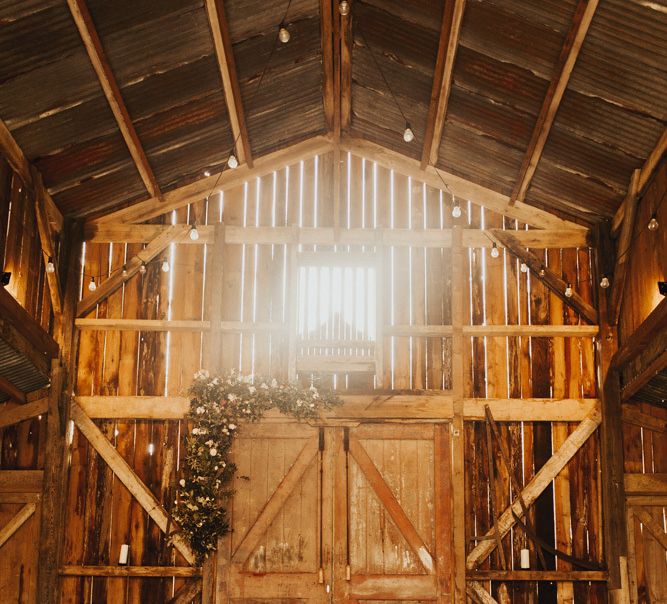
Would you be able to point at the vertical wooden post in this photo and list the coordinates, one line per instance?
(213, 311)
(443, 512)
(611, 442)
(52, 525)
(379, 315)
(458, 443)
(293, 277)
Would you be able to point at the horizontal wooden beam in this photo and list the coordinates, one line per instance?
(129, 571)
(16, 522)
(172, 234)
(126, 475)
(200, 189)
(546, 275)
(176, 325)
(6, 387)
(537, 575)
(645, 484)
(478, 331)
(633, 415)
(430, 238)
(21, 481)
(431, 405)
(20, 413)
(460, 187)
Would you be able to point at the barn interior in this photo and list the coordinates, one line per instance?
(449, 213)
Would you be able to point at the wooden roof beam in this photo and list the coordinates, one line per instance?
(326, 28)
(568, 57)
(450, 30)
(345, 32)
(545, 274)
(230, 81)
(645, 174)
(91, 39)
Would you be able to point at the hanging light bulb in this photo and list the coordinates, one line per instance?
(495, 252)
(283, 34)
(344, 8)
(653, 224)
(604, 282)
(568, 291)
(91, 286)
(456, 209)
(524, 267)
(50, 267)
(232, 162)
(194, 233)
(408, 134)
(207, 173)
(543, 271)
(142, 269)
(165, 266)
(123, 272)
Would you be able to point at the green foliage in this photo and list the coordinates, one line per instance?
(218, 406)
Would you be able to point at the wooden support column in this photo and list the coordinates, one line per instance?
(213, 310)
(458, 434)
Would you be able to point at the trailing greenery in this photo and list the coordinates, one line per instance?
(218, 406)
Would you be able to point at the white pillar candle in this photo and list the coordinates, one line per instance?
(125, 553)
(525, 558)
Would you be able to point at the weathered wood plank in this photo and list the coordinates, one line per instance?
(21, 481)
(129, 571)
(17, 521)
(645, 484)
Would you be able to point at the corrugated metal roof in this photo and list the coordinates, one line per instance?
(15, 368)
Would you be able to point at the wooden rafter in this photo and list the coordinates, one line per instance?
(345, 32)
(450, 30)
(230, 82)
(545, 274)
(16, 522)
(654, 326)
(326, 28)
(460, 187)
(6, 387)
(645, 173)
(126, 475)
(568, 57)
(536, 485)
(173, 234)
(9, 417)
(215, 183)
(95, 50)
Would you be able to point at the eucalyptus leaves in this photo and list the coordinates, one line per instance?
(218, 405)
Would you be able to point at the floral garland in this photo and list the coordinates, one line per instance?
(218, 406)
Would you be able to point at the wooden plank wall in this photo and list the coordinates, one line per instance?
(645, 450)
(21, 445)
(255, 288)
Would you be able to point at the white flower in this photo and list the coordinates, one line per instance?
(182, 482)
(299, 402)
(231, 397)
(264, 386)
(202, 374)
(215, 467)
(274, 383)
(312, 405)
(209, 443)
(213, 452)
(312, 389)
(252, 389)
(216, 381)
(232, 426)
(200, 410)
(195, 430)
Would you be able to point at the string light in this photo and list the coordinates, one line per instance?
(142, 269)
(283, 34)
(165, 266)
(50, 267)
(568, 291)
(151, 448)
(543, 271)
(495, 252)
(232, 162)
(123, 272)
(456, 209)
(653, 224)
(344, 8)
(92, 286)
(207, 173)
(524, 267)
(604, 282)
(408, 134)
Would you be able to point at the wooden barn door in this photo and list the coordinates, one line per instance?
(339, 514)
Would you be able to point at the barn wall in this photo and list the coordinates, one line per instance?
(645, 442)
(101, 514)
(21, 445)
